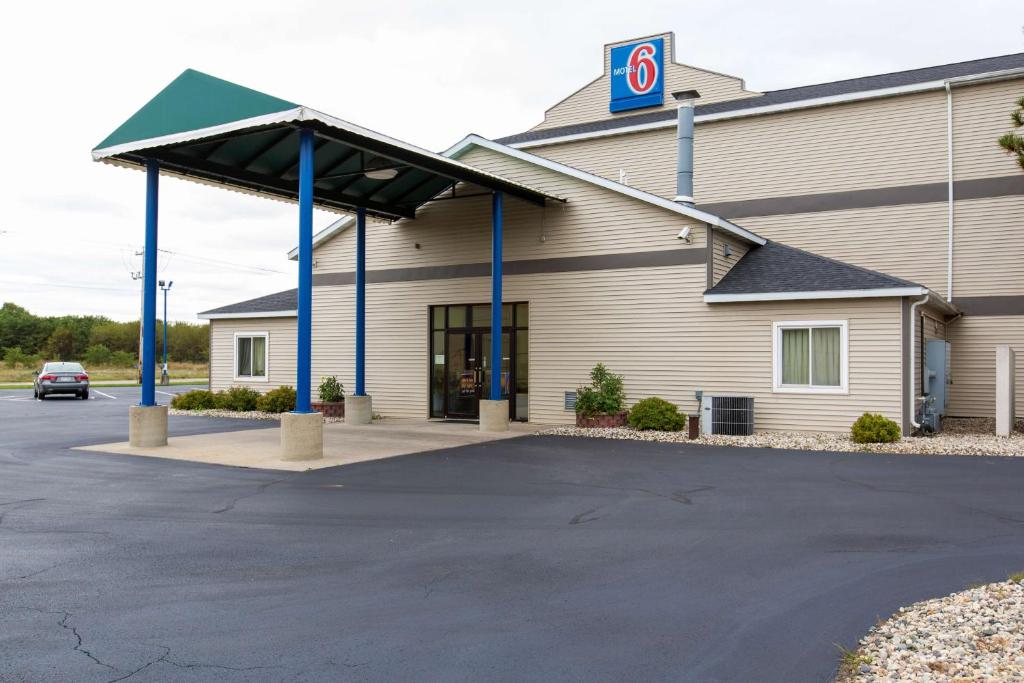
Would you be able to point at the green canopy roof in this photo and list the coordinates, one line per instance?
(216, 132)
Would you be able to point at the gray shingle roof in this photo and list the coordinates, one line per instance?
(776, 268)
(806, 92)
(287, 300)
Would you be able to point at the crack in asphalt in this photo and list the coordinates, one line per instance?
(582, 517)
(35, 573)
(678, 496)
(259, 489)
(428, 588)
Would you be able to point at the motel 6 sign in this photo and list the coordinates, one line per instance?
(637, 76)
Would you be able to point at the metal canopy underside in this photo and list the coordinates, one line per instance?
(219, 133)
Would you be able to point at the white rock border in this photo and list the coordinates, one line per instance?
(976, 635)
(960, 437)
(238, 415)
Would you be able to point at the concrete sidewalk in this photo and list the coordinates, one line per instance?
(343, 444)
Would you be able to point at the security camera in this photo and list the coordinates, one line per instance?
(684, 234)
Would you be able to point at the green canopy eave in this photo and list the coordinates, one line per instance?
(215, 132)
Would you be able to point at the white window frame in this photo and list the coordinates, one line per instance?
(266, 361)
(844, 357)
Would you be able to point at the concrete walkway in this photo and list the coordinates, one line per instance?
(343, 444)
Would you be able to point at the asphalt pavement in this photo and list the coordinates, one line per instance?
(535, 558)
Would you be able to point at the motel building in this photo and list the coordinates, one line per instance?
(781, 260)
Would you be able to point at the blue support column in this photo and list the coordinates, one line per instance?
(148, 322)
(304, 351)
(360, 302)
(497, 217)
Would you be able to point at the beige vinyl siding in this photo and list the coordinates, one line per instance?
(904, 241)
(988, 249)
(981, 113)
(593, 221)
(722, 264)
(281, 345)
(648, 324)
(974, 340)
(590, 103)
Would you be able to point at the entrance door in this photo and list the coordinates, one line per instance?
(464, 379)
(470, 372)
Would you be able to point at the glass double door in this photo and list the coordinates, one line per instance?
(470, 371)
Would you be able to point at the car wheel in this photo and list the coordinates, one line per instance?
(41, 396)
(85, 395)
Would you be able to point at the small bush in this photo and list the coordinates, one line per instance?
(14, 357)
(199, 399)
(604, 396)
(122, 359)
(97, 354)
(279, 400)
(874, 428)
(656, 413)
(331, 390)
(238, 399)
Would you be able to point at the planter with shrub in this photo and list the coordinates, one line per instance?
(874, 428)
(656, 414)
(332, 397)
(602, 403)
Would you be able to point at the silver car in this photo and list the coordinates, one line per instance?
(61, 378)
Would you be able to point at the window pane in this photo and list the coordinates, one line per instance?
(506, 315)
(522, 315)
(795, 352)
(437, 375)
(827, 342)
(522, 374)
(482, 315)
(259, 356)
(244, 357)
(456, 316)
(438, 317)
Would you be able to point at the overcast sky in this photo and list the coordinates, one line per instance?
(428, 73)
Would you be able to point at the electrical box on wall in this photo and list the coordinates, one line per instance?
(937, 379)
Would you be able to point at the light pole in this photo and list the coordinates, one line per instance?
(164, 377)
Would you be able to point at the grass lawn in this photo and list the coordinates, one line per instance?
(101, 373)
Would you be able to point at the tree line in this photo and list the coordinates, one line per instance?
(27, 339)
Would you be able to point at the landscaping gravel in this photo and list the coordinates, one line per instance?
(239, 415)
(976, 635)
(959, 437)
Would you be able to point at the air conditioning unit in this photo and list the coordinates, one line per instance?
(727, 415)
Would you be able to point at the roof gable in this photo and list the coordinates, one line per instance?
(194, 101)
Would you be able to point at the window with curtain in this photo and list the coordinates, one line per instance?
(810, 356)
(251, 356)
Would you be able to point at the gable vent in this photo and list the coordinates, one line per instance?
(570, 400)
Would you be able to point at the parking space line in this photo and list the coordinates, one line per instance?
(102, 394)
(165, 393)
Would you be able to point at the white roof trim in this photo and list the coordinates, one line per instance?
(829, 294)
(249, 314)
(782, 107)
(300, 114)
(335, 228)
(689, 211)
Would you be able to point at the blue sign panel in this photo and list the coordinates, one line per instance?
(636, 75)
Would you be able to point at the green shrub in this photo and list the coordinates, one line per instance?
(874, 428)
(199, 399)
(331, 390)
(279, 400)
(122, 359)
(604, 396)
(656, 413)
(14, 356)
(239, 399)
(97, 354)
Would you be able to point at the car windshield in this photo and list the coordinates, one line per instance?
(63, 367)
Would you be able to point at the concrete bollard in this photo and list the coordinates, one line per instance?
(493, 416)
(147, 426)
(302, 436)
(358, 410)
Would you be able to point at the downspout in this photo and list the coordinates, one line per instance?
(949, 183)
(912, 390)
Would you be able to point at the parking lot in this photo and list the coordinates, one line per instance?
(534, 558)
